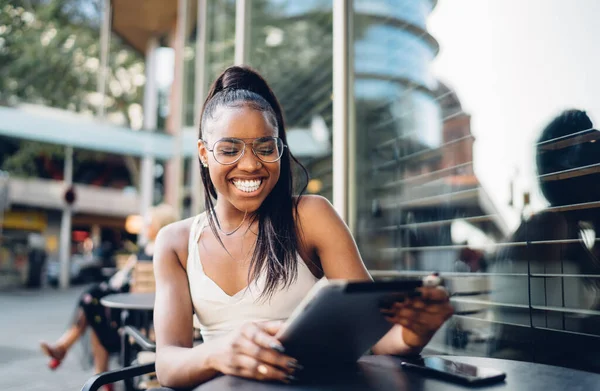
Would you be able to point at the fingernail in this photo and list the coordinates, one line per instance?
(294, 364)
(291, 378)
(276, 346)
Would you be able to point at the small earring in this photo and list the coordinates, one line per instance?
(204, 164)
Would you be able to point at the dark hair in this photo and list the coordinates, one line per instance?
(564, 145)
(278, 240)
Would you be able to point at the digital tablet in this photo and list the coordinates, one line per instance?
(339, 321)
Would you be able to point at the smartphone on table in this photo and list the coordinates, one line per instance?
(454, 371)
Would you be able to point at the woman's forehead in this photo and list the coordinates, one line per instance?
(238, 122)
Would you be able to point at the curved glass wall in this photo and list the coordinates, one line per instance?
(290, 44)
(410, 11)
(220, 38)
(497, 190)
(397, 117)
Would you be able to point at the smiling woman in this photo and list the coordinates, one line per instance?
(241, 111)
(265, 249)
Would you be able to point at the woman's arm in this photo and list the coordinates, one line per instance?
(250, 351)
(326, 235)
(178, 364)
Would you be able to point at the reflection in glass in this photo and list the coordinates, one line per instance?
(471, 160)
(559, 256)
(291, 45)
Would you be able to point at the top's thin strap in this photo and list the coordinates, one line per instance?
(199, 225)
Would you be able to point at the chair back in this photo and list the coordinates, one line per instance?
(143, 278)
(121, 260)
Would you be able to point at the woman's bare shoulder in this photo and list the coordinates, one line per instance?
(314, 210)
(175, 237)
(312, 206)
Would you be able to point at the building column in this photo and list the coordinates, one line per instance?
(146, 184)
(196, 189)
(104, 46)
(242, 28)
(342, 106)
(65, 224)
(173, 172)
(96, 235)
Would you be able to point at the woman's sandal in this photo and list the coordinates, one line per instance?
(56, 354)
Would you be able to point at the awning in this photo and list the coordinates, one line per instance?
(136, 21)
(61, 127)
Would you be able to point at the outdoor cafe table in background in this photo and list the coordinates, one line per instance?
(129, 301)
(383, 373)
(142, 303)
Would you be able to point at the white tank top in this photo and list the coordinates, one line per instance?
(218, 313)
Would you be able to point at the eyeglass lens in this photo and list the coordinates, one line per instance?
(267, 149)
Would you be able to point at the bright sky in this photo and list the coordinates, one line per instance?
(515, 64)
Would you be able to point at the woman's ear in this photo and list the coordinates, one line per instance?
(203, 153)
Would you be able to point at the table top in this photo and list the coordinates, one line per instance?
(385, 373)
(129, 301)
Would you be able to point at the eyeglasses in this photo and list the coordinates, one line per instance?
(229, 150)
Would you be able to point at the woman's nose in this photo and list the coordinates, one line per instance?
(249, 161)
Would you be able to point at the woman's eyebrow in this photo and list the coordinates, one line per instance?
(245, 138)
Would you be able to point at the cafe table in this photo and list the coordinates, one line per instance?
(140, 303)
(381, 373)
(129, 301)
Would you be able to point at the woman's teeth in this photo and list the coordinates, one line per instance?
(247, 186)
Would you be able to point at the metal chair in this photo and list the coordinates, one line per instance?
(126, 374)
(129, 372)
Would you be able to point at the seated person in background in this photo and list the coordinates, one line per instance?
(246, 263)
(89, 312)
(566, 149)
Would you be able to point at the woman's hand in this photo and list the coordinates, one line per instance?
(253, 352)
(420, 317)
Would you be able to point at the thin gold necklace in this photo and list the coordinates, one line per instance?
(235, 230)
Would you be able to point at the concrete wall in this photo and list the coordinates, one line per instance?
(48, 194)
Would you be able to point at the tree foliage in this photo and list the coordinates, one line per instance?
(50, 55)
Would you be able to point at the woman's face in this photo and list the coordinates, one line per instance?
(246, 183)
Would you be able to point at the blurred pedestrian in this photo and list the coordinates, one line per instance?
(105, 338)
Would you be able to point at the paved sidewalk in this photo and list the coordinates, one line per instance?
(26, 317)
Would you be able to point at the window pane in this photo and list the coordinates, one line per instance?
(291, 46)
(220, 38)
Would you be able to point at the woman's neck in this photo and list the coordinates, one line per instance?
(230, 217)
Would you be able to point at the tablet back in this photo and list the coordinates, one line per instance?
(340, 323)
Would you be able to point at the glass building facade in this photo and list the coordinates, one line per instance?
(397, 116)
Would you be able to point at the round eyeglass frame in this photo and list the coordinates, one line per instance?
(251, 143)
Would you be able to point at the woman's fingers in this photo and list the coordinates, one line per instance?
(251, 367)
(420, 306)
(260, 336)
(267, 355)
(426, 319)
(430, 317)
(434, 294)
(271, 327)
